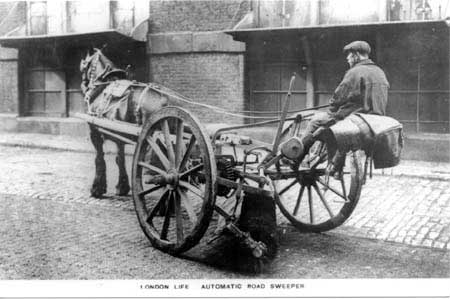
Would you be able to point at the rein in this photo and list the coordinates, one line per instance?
(95, 80)
(240, 114)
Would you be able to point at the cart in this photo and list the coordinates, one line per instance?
(180, 168)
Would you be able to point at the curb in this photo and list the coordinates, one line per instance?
(87, 148)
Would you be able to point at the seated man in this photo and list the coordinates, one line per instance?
(364, 89)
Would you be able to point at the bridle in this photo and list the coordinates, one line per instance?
(89, 66)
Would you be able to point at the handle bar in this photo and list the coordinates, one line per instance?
(284, 113)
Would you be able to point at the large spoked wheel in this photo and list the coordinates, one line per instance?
(174, 180)
(315, 201)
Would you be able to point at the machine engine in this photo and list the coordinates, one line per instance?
(225, 169)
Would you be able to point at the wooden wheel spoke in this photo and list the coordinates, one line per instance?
(299, 199)
(168, 142)
(179, 145)
(323, 200)
(191, 188)
(151, 167)
(179, 219)
(287, 187)
(319, 161)
(166, 223)
(311, 209)
(174, 180)
(332, 189)
(195, 168)
(148, 191)
(187, 153)
(188, 204)
(158, 205)
(155, 147)
(344, 191)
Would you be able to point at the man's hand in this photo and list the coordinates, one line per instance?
(333, 106)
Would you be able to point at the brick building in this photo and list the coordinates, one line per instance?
(185, 49)
(237, 54)
(190, 53)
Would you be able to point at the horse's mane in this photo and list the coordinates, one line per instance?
(98, 67)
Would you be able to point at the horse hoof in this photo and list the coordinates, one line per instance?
(122, 190)
(97, 192)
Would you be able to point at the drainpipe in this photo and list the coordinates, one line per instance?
(256, 7)
(315, 12)
(309, 72)
(448, 68)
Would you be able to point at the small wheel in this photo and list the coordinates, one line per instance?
(316, 202)
(174, 180)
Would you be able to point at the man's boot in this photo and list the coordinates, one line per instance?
(337, 164)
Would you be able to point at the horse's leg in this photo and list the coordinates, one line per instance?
(99, 184)
(122, 187)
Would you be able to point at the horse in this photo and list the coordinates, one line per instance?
(109, 94)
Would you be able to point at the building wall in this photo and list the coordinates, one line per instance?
(59, 17)
(192, 15)
(419, 77)
(8, 81)
(415, 60)
(188, 53)
(22, 18)
(12, 15)
(294, 13)
(8, 87)
(211, 78)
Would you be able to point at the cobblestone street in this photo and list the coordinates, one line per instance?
(408, 210)
(46, 206)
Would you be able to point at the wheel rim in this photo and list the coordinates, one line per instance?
(174, 180)
(316, 202)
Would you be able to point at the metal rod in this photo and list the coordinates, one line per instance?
(418, 100)
(268, 91)
(279, 91)
(245, 188)
(278, 112)
(425, 121)
(287, 101)
(420, 91)
(258, 124)
(116, 136)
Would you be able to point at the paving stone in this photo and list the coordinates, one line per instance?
(438, 244)
(443, 199)
(402, 233)
(371, 234)
(391, 207)
(416, 241)
(424, 230)
(427, 243)
(433, 235)
(399, 239)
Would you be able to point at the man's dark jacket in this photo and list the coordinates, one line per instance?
(364, 89)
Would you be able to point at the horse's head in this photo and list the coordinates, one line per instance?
(98, 68)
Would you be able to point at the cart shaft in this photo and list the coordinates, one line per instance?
(113, 125)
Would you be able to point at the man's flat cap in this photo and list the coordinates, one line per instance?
(358, 46)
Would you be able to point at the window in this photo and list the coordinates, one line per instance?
(37, 14)
(45, 84)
